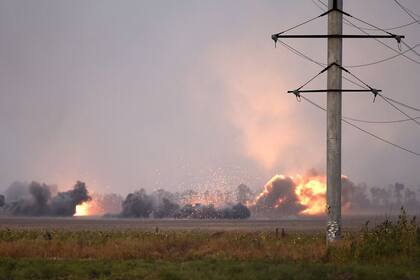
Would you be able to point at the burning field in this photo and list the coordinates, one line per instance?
(281, 197)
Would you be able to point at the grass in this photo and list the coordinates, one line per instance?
(199, 269)
(390, 250)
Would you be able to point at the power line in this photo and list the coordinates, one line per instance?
(406, 10)
(385, 45)
(380, 122)
(300, 53)
(410, 15)
(401, 104)
(383, 30)
(387, 99)
(371, 25)
(399, 110)
(300, 24)
(411, 11)
(410, 48)
(297, 52)
(365, 131)
(379, 41)
(382, 60)
(373, 29)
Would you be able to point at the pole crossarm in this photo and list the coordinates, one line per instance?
(299, 90)
(334, 90)
(277, 36)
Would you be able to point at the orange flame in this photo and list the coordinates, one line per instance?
(310, 191)
(82, 209)
(311, 194)
(93, 207)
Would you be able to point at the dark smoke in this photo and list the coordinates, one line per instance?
(64, 204)
(137, 204)
(37, 199)
(163, 204)
(279, 189)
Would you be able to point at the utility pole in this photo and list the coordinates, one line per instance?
(334, 81)
(334, 92)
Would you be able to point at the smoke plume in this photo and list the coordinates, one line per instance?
(278, 198)
(281, 197)
(37, 199)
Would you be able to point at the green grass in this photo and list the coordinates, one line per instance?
(200, 269)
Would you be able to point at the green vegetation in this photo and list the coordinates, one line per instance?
(390, 250)
(199, 269)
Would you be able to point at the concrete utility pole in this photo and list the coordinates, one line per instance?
(334, 91)
(334, 81)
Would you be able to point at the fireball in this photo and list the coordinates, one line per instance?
(82, 209)
(311, 194)
(302, 195)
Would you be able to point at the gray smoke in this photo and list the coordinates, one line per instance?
(108, 204)
(244, 194)
(360, 199)
(137, 204)
(37, 199)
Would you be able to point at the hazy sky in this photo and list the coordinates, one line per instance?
(189, 94)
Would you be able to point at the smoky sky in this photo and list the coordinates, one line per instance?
(188, 94)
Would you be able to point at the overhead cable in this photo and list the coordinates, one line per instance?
(399, 110)
(376, 39)
(373, 29)
(365, 131)
(402, 104)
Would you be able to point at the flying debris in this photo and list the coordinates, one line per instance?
(281, 197)
(163, 204)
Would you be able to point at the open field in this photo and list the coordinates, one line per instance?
(46, 248)
(89, 223)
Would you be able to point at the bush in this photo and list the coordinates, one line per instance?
(400, 238)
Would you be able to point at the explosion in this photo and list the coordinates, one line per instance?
(99, 205)
(82, 209)
(300, 195)
(311, 193)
